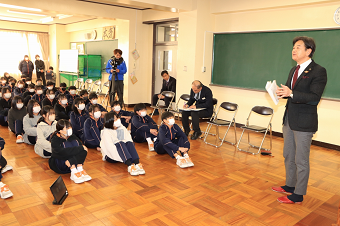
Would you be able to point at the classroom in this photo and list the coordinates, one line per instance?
(226, 186)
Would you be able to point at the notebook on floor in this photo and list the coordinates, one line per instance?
(59, 191)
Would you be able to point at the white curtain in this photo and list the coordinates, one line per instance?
(15, 44)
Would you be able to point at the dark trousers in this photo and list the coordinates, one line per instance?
(91, 144)
(3, 120)
(163, 149)
(3, 163)
(140, 137)
(195, 117)
(126, 151)
(112, 91)
(155, 99)
(41, 75)
(119, 88)
(59, 166)
(32, 139)
(19, 128)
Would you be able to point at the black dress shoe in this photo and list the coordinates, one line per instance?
(196, 135)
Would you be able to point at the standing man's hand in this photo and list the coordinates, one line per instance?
(111, 70)
(283, 91)
(117, 70)
(41, 70)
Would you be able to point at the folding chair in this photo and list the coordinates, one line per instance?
(79, 83)
(230, 108)
(99, 87)
(215, 101)
(183, 97)
(89, 83)
(106, 84)
(262, 111)
(168, 94)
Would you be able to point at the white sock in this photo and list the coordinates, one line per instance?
(154, 139)
(74, 170)
(148, 139)
(80, 168)
(1, 184)
(186, 155)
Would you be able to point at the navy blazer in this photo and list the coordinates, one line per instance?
(205, 100)
(302, 108)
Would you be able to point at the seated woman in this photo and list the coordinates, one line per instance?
(15, 118)
(143, 127)
(46, 127)
(62, 108)
(78, 117)
(5, 105)
(30, 122)
(4, 190)
(49, 98)
(117, 145)
(92, 127)
(125, 116)
(68, 154)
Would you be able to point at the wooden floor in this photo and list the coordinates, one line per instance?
(225, 187)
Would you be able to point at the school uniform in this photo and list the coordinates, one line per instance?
(44, 132)
(19, 91)
(70, 149)
(54, 89)
(92, 130)
(59, 92)
(27, 96)
(140, 128)
(70, 98)
(4, 108)
(47, 101)
(3, 161)
(77, 122)
(50, 75)
(11, 89)
(15, 120)
(117, 145)
(62, 112)
(170, 139)
(38, 97)
(124, 113)
(30, 128)
(101, 108)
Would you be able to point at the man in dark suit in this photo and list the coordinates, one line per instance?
(26, 67)
(202, 97)
(304, 87)
(169, 84)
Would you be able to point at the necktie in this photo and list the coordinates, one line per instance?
(295, 75)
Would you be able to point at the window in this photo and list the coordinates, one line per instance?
(167, 33)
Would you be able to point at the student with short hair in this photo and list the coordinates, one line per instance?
(20, 89)
(15, 118)
(38, 96)
(30, 122)
(40, 83)
(116, 144)
(125, 116)
(3, 82)
(11, 85)
(85, 95)
(78, 116)
(68, 153)
(93, 98)
(5, 105)
(45, 128)
(62, 108)
(49, 98)
(28, 81)
(7, 77)
(50, 86)
(92, 127)
(4, 189)
(173, 141)
(62, 89)
(72, 94)
(50, 75)
(143, 127)
(30, 91)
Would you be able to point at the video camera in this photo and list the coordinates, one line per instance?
(114, 63)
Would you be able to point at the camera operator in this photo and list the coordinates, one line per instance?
(116, 68)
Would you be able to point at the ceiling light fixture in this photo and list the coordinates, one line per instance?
(46, 20)
(32, 14)
(63, 16)
(19, 7)
(16, 19)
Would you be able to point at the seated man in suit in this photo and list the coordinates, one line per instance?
(169, 84)
(202, 97)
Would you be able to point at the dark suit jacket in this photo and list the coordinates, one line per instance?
(307, 91)
(171, 85)
(205, 100)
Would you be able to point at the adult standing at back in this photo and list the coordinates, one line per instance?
(116, 67)
(304, 87)
(40, 69)
(169, 84)
(26, 67)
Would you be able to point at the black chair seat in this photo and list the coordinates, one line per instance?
(254, 128)
(220, 122)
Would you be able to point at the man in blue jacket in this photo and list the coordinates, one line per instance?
(116, 67)
(26, 67)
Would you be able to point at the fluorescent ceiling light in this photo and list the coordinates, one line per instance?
(46, 20)
(63, 16)
(15, 19)
(32, 14)
(19, 7)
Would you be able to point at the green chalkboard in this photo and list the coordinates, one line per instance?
(249, 60)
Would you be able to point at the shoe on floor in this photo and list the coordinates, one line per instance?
(188, 160)
(140, 169)
(132, 170)
(181, 162)
(6, 168)
(85, 176)
(196, 135)
(19, 139)
(151, 147)
(286, 200)
(4, 191)
(77, 177)
(280, 190)
(265, 152)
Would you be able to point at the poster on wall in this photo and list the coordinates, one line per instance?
(135, 54)
(133, 77)
(109, 33)
(80, 48)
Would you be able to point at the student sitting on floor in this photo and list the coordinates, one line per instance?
(46, 126)
(40, 83)
(49, 98)
(62, 89)
(62, 108)
(38, 96)
(28, 81)
(30, 122)
(50, 86)
(3, 82)
(172, 140)
(11, 85)
(50, 75)
(68, 153)
(78, 116)
(19, 90)
(117, 145)
(5, 105)
(15, 118)
(92, 127)
(30, 91)
(4, 190)
(7, 77)
(143, 127)
(72, 94)
(125, 116)
(93, 98)
(85, 95)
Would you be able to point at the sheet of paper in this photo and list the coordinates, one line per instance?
(271, 89)
(191, 109)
